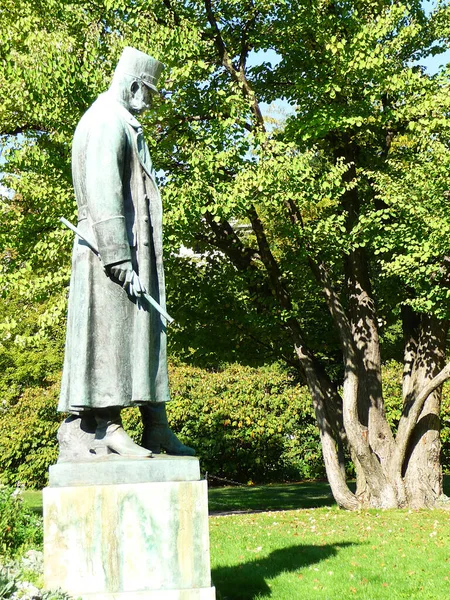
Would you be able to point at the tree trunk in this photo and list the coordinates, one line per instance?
(422, 470)
(323, 396)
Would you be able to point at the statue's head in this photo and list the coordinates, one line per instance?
(135, 79)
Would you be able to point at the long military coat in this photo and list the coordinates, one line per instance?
(115, 346)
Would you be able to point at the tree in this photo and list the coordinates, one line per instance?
(343, 229)
(321, 195)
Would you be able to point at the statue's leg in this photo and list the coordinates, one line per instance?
(110, 436)
(157, 434)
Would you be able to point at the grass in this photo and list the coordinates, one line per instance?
(329, 554)
(295, 550)
(270, 497)
(311, 494)
(33, 499)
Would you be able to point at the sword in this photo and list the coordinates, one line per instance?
(94, 249)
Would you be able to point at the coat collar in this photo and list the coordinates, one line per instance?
(120, 108)
(141, 146)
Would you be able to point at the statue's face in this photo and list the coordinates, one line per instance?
(140, 98)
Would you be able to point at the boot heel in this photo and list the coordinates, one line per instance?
(154, 448)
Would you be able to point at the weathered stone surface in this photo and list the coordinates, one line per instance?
(115, 469)
(203, 594)
(133, 541)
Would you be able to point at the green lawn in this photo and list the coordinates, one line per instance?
(270, 497)
(329, 554)
(296, 551)
(33, 499)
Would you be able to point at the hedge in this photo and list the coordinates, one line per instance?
(246, 424)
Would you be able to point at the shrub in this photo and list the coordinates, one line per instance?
(246, 424)
(19, 526)
(7, 583)
(28, 443)
(23, 578)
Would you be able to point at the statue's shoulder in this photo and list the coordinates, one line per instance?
(102, 114)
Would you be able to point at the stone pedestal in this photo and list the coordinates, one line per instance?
(128, 529)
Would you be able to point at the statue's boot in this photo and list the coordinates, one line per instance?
(75, 437)
(157, 434)
(110, 436)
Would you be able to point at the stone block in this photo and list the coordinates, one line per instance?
(128, 541)
(113, 469)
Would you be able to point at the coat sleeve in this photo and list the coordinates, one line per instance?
(105, 159)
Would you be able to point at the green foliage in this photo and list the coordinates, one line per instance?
(353, 75)
(55, 595)
(19, 527)
(246, 424)
(22, 577)
(360, 166)
(7, 584)
(28, 437)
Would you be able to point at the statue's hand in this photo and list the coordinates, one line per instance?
(129, 279)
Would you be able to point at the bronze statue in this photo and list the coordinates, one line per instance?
(116, 341)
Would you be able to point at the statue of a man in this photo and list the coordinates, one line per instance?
(116, 342)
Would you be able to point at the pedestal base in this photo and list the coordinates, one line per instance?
(128, 541)
(198, 594)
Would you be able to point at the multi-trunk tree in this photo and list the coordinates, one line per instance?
(332, 227)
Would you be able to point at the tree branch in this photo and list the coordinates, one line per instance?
(22, 129)
(406, 425)
(427, 389)
(245, 47)
(181, 119)
(322, 276)
(356, 432)
(225, 239)
(237, 75)
(176, 18)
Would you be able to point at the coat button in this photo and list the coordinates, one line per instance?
(145, 243)
(145, 219)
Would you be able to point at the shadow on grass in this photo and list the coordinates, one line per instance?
(286, 496)
(251, 579)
